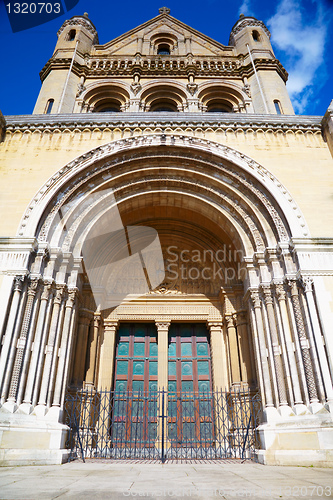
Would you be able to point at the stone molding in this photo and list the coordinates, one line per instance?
(15, 253)
(229, 121)
(80, 21)
(256, 171)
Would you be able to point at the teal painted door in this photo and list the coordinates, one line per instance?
(134, 413)
(190, 418)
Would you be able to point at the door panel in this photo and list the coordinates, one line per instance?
(190, 420)
(134, 413)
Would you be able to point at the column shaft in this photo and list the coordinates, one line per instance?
(107, 356)
(310, 380)
(162, 363)
(64, 347)
(50, 344)
(22, 341)
(10, 330)
(318, 338)
(37, 343)
(281, 296)
(262, 347)
(81, 347)
(91, 372)
(219, 358)
(233, 346)
(276, 346)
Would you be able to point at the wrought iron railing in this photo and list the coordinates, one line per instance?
(162, 425)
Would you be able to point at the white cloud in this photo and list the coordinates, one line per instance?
(245, 8)
(303, 43)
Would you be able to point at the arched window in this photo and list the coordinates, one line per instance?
(71, 35)
(109, 110)
(164, 105)
(48, 107)
(219, 106)
(278, 108)
(163, 49)
(255, 36)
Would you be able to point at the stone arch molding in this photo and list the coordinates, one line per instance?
(283, 215)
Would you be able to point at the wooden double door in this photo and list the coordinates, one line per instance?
(137, 402)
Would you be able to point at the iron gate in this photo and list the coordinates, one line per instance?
(162, 425)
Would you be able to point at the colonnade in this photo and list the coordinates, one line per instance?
(51, 339)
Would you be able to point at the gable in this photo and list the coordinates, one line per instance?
(127, 44)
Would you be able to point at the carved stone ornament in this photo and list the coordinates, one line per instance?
(136, 87)
(164, 290)
(247, 90)
(104, 151)
(192, 88)
(80, 88)
(164, 10)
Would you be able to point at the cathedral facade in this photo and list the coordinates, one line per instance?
(166, 225)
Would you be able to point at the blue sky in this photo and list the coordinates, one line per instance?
(301, 30)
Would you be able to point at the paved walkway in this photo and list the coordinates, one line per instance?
(118, 481)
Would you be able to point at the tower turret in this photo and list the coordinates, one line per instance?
(266, 76)
(63, 73)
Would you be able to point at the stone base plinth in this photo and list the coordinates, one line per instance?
(301, 440)
(31, 440)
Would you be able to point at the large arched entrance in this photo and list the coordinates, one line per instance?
(214, 303)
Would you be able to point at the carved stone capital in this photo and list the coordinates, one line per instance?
(214, 326)
(255, 298)
(47, 289)
(33, 285)
(72, 292)
(110, 326)
(280, 291)
(229, 320)
(267, 293)
(18, 283)
(162, 326)
(292, 283)
(307, 283)
(60, 289)
(240, 318)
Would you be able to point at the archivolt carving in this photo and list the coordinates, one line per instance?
(91, 159)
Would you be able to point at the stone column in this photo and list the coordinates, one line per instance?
(162, 363)
(69, 353)
(15, 376)
(64, 346)
(304, 343)
(218, 352)
(275, 344)
(308, 284)
(81, 345)
(281, 296)
(37, 344)
(90, 379)
(107, 354)
(7, 340)
(262, 348)
(233, 346)
(247, 374)
(50, 344)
